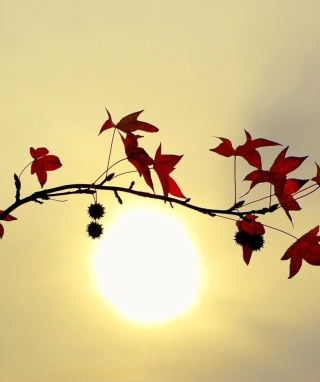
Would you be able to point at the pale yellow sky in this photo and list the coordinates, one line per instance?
(199, 69)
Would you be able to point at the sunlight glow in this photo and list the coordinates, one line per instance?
(146, 267)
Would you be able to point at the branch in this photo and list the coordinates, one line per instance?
(83, 188)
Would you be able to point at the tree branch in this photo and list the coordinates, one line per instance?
(83, 188)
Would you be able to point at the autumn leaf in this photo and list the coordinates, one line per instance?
(277, 176)
(8, 218)
(317, 177)
(259, 176)
(108, 123)
(306, 248)
(163, 166)
(225, 148)
(248, 150)
(129, 123)
(284, 195)
(138, 157)
(43, 163)
(250, 226)
(284, 165)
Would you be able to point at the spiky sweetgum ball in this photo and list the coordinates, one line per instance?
(241, 237)
(255, 242)
(94, 230)
(96, 210)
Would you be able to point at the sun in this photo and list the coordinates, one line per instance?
(147, 267)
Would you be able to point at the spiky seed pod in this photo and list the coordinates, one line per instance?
(94, 230)
(96, 210)
(255, 242)
(241, 237)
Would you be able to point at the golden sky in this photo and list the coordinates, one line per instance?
(200, 70)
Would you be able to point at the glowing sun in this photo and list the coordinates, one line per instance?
(146, 267)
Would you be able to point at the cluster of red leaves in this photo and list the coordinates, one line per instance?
(307, 247)
(163, 164)
(284, 188)
(277, 176)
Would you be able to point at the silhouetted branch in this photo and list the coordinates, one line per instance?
(83, 188)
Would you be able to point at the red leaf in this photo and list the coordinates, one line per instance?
(259, 176)
(8, 218)
(129, 123)
(246, 253)
(306, 248)
(43, 163)
(277, 176)
(174, 189)
(225, 148)
(138, 157)
(163, 166)
(37, 153)
(317, 177)
(283, 166)
(108, 124)
(248, 151)
(284, 195)
(252, 228)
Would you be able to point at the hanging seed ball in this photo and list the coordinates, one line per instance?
(94, 230)
(241, 237)
(96, 210)
(256, 242)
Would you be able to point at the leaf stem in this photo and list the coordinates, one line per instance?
(280, 230)
(296, 193)
(235, 178)
(24, 169)
(257, 200)
(270, 194)
(111, 145)
(123, 173)
(308, 193)
(106, 172)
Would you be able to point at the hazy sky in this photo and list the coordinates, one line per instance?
(199, 69)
